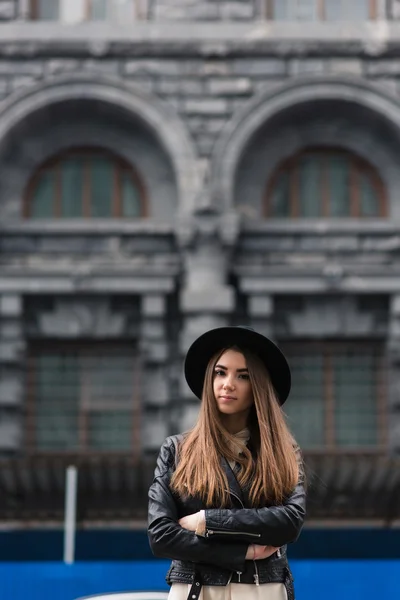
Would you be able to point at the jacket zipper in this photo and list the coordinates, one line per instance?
(212, 531)
(256, 577)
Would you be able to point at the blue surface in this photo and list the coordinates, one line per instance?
(314, 579)
(124, 545)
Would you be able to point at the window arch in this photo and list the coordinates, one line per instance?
(85, 183)
(322, 182)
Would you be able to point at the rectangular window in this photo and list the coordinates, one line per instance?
(329, 10)
(82, 398)
(338, 395)
(77, 11)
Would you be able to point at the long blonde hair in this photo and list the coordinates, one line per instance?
(271, 474)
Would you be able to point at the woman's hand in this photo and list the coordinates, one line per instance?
(190, 521)
(257, 552)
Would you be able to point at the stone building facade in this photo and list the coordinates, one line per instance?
(210, 109)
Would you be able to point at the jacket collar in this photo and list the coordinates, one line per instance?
(234, 487)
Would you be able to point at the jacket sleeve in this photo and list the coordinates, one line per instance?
(169, 540)
(272, 526)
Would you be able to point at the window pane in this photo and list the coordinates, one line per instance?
(368, 198)
(356, 9)
(99, 9)
(281, 10)
(110, 431)
(110, 378)
(48, 10)
(72, 187)
(339, 185)
(333, 10)
(306, 409)
(310, 186)
(306, 10)
(110, 381)
(83, 400)
(43, 198)
(102, 184)
(355, 376)
(57, 391)
(131, 204)
(280, 198)
(124, 11)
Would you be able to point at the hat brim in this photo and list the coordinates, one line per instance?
(208, 344)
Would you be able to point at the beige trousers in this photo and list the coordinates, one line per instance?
(232, 591)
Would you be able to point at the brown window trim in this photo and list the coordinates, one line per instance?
(121, 167)
(321, 9)
(327, 350)
(82, 347)
(357, 165)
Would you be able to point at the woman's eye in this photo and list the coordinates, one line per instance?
(244, 376)
(219, 372)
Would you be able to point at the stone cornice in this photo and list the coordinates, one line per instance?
(321, 227)
(88, 227)
(386, 281)
(29, 281)
(30, 39)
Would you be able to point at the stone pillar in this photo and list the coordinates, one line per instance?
(206, 300)
(154, 371)
(261, 314)
(12, 363)
(24, 10)
(394, 374)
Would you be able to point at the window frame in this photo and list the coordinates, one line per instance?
(328, 349)
(35, 348)
(86, 3)
(120, 166)
(320, 10)
(137, 11)
(358, 166)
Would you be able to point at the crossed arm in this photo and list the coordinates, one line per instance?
(232, 529)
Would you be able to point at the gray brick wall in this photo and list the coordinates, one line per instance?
(205, 92)
(206, 83)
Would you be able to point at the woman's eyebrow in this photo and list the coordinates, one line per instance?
(225, 368)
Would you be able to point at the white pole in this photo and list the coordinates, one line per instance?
(71, 479)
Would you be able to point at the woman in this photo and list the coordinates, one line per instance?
(228, 495)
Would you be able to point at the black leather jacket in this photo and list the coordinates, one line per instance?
(219, 558)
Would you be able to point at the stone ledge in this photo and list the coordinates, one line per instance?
(219, 300)
(205, 39)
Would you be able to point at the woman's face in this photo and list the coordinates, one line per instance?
(232, 387)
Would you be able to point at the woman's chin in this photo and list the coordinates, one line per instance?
(227, 410)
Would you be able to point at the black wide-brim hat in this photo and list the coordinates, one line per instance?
(208, 344)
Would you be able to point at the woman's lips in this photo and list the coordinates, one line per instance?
(227, 398)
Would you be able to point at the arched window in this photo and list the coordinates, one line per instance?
(85, 183)
(321, 182)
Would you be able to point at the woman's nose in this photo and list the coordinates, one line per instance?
(228, 383)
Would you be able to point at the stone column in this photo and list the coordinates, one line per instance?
(23, 10)
(394, 374)
(206, 300)
(12, 365)
(154, 371)
(261, 314)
